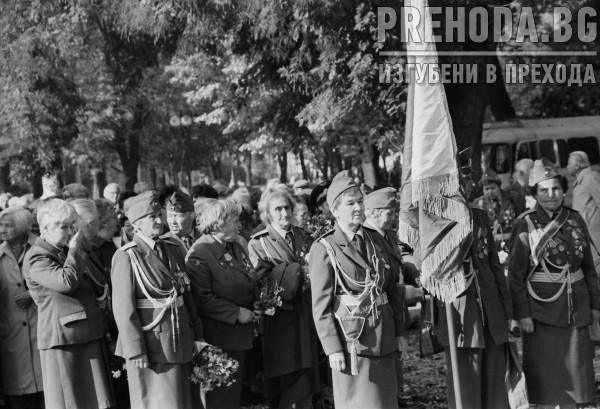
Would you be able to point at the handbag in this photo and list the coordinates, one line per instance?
(428, 341)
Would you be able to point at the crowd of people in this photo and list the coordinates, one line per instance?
(145, 279)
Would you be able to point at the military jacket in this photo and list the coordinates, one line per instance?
(502, 213)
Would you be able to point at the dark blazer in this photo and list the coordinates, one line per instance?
(467, 319)
(571, 244)
(157, 342)
(289, 339)
(377, 339)
(67, 312)
(221, 284)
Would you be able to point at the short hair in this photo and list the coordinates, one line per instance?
(581, 157)
(215, 214)
(204, 190)
(112, 186)
(75, 191)
(21, 217)
(85, 208)
(352, 190)
(105, 210)
(54, 210)
(270, 195)
(524, 163)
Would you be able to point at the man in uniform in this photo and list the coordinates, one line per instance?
(155, 313)
(502, 207)
(181, 217)
(357, 305)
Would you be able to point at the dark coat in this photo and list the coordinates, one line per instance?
(67, 311)
(289, 339)
(377, 339)
(220, 287)
(157, 342)
(571, 244)
(495, 297)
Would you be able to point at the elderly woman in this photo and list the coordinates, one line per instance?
(289, 342)
(356, 304)
(21, 370)
(555, 295)
(223, 285)
(72, 352)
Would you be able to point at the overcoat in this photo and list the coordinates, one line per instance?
(21, 369)
(169, 345)
(375, 386)
(289, 340)
(73, 355)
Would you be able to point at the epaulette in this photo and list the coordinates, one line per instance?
(128, 246)
(525, 213)
(327, 233)
(571, 209)
(259, 233)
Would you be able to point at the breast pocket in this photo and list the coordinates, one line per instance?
(74, 317)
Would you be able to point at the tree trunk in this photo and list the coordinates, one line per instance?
(370, 164)
(95, 183)
(500, 103)
(303, 165)
(282, 160)
(247, 164)
(153, 178)
(5, 177)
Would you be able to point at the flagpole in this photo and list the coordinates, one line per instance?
(453, 355)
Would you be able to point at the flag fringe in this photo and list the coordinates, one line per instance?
(445, 185)
(447, 290)
(447, 208)
(408, 234)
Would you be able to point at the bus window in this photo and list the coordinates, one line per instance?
(486, 151)
(546, 150)
(523, 151)
(502, 157)
(587, 144)
(563, 155)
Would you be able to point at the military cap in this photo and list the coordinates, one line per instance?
(179, 202)
(381, 199)
(489, 176)
(340, 183)
(142, 205)
(319, 193)
(300, 184)
(542, 170)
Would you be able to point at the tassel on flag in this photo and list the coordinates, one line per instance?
(435, 219)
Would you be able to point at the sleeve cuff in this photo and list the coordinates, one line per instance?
(134, 348)
(331, 345)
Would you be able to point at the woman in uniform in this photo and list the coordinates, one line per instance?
(555, 295)
(289, 341)
(223, 285)
(70, 335)
(21, 369)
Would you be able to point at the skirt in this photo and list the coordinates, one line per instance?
(77, 377)
(375, 386)
(558, 365)
(285, 390)
(162, 385)
(228, 397)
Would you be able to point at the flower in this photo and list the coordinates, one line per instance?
(213, 368)
(319, 225)
(228, 257)
(503, 256)
(267, 295)
(116, 374)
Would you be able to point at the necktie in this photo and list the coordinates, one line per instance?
(160, 251)
(359, 244)
(289, 238)
(187, 240)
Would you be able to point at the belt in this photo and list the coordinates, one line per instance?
(547, 277)
(164, 303)
(352, 302)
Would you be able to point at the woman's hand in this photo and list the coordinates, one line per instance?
(23, 300)
(527, 325)
(337, 362)
(245, 316)
(141, 361)
(402, 346)
(76, 240)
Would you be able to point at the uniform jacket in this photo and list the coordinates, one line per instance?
(157, 342)
(21, 369)
(570, 245)
(289, 340)
(222, 282)
(586, 200)
(495, 296)
(67, 311)
(377, 339)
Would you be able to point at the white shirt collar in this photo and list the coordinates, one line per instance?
(150, 242)
(350, 234)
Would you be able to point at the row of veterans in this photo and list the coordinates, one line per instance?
(349, 295)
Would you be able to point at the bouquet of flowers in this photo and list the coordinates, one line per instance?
(212, 368)
(318, 226)
(268, 295)
(117, 365)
